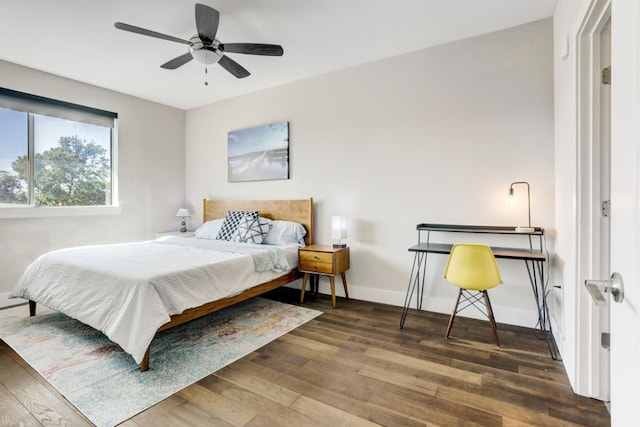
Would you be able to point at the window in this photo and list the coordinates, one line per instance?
(55, 154)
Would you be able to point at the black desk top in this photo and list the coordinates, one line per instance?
(508, 253)
(491, 229)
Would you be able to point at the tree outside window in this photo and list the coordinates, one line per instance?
(68, 163)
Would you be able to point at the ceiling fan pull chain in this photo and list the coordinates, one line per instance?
(206, 71)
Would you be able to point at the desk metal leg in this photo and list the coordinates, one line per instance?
(535, 269)
(416, 284)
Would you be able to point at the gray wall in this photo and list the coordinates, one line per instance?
(432, 136)
(151, 176)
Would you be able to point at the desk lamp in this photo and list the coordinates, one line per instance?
(184, 213)
(527, 229)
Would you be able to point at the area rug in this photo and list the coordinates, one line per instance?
(106, 385)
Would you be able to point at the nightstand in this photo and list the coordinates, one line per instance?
(175, 234)
(326, 261)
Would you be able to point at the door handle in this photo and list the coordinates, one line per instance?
(597, 289)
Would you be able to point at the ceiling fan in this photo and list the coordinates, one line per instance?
(205, 47)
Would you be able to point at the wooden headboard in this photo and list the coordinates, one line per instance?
(289, 210)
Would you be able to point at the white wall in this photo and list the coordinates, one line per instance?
(151, 176)
(433, 136)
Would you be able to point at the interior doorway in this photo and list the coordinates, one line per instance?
(594, 172)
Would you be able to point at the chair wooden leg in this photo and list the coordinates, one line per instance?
(492, 319)
(453, 315)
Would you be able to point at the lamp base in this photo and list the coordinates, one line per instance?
(339, 245)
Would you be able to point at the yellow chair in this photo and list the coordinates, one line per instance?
(474, 270)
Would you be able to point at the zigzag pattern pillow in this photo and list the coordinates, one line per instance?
(251, 230)
(231, 222)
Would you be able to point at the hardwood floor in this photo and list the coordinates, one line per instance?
(351, 366)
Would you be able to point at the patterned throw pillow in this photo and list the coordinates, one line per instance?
(251, 230)
(231, 223)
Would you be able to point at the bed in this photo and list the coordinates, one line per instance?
(132, 291)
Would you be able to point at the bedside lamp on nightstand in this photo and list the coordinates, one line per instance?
(184, 213)
(339, 230)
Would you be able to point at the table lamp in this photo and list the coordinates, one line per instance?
(184, 213)
(339, 230)
(520, 229)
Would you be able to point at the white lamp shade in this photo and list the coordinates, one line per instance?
(183, 212)
(338, 227)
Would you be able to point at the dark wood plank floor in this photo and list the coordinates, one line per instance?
(351, 366)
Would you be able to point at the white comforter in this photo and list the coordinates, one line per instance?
(129, 290)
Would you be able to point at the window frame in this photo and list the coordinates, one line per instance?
(35, 104)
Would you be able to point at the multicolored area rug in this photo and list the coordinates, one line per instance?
(106, 385)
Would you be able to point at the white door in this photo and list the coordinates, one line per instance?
(625, 211)
(594, 236)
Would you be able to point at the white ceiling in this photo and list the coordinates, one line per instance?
(77, 39)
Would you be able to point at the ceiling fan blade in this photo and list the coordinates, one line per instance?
(207, 19)
(233, 67)
(253, 48)
(145, 32)
(177, 62)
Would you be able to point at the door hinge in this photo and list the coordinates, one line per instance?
(606, 208)
(606, 76)
(605, 340)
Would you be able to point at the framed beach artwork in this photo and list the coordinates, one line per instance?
(258, 153)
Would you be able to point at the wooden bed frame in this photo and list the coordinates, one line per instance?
(290, 210)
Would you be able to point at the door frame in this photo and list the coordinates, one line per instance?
(592, 362)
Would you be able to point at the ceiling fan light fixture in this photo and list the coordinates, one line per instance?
(205, 54)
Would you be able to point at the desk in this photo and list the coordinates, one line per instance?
(533, 258)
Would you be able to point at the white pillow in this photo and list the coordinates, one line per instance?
(285, 233)
(209, 230)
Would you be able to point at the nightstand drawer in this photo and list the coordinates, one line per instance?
(319, 262)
